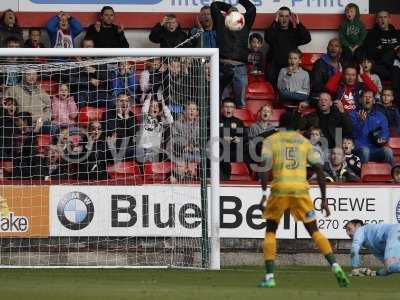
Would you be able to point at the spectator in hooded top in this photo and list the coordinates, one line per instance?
(233, 48)
(34, 40)
(205, 25)
(352, 31)
(105, 33)
(256, 59)
(331, 121)
(370, 131)
(9, 28)
(62, 30)
(285, 34)
(168, 33)
(390, 111)
(380, 45)
(325, 67)
(63, 108)
(346, 88)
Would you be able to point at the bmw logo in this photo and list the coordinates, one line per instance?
(398, 212)
(75, 210)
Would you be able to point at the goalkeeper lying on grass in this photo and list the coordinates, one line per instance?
(383, 240)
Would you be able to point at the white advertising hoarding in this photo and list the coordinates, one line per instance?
(156, 210)
(369, 204)
(263, 6)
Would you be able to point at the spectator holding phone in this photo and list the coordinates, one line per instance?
(168, 33)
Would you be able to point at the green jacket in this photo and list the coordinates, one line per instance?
(352, 33)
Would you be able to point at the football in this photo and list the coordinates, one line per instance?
(234, 21)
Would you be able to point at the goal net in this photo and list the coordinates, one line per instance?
(104, 159)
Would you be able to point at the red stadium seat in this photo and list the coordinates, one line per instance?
(253, 106)
(239, 172)
(125, 170)
(255, 78)
(50, 87)
(244, 115)
(394, 143)
(376, 172)
(157, 171)
(88, 114)
(276, 115)
(308, 60)
(260, 90)
(43, 142)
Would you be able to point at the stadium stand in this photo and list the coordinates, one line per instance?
(376, 172)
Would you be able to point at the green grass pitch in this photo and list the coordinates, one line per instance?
(294, 283)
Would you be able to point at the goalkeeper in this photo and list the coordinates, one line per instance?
(383, 240)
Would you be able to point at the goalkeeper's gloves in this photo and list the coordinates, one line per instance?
(359, 272)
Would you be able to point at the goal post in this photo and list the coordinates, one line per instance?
(207, 184)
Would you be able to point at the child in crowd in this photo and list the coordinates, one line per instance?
(62, 30)
(366, 65)
(123, 80)
(293, 81)
(255, 58)
(396, 174)
(63, 108)
(33, 41)
(390, 111)
(156, 116)
(315, 135)
(353, 161)
(352, 31)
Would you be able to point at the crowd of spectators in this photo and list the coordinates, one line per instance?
(151, 114)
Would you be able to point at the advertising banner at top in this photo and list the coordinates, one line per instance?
(263, 6)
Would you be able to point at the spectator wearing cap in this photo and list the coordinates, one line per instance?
(168, 33)
(9, 28)
(106, 34)
(62, 30)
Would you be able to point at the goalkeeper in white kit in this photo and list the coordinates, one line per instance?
(383, 240)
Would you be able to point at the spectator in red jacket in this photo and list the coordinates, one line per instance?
(346, 88)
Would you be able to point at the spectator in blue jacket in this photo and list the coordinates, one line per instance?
(390, 111)
(370, 131)
(123, 80)
(62, 30)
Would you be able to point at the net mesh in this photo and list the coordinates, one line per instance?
(102, 160)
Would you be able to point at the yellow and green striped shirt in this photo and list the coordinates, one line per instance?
(288, 153)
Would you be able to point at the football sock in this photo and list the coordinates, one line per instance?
(324, 246)
(269, 268)
(269, 246)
